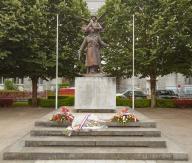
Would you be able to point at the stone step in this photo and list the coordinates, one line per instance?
(94, 153)
(105, 141)
(149, 124)
(95, 110)
(145, 132)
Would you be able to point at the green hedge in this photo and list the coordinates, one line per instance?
(165, 103)
(59, 97)
(68, 101)
(145, 103)
(139, 103)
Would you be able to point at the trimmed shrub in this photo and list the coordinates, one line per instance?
(68, 101)
(59, 97)
(165, 103)
(64, 85)
(123, 102)
(142, 103)
(9, 85)
(139, 103)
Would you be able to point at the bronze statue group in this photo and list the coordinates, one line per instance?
(92, 43)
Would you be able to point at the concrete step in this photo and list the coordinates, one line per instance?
(149, 124)
(145, 132)
(95, 110)
(105, 141)
(95, 153)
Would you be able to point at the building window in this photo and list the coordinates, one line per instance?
(40, 81)
(1, 80)
(188, 80)
(18, 81)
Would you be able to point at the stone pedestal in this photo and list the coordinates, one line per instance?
(96, 92)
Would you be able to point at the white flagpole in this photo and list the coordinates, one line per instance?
(133, 75)
(57, 52)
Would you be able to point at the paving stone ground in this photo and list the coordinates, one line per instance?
(175, 124)
(16, 122)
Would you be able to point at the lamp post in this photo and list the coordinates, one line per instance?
(133, 75)
(57, 58)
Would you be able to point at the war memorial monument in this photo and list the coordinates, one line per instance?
(124, 136)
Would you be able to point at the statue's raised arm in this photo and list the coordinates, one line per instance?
(94, 24)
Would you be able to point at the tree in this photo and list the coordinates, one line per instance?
(30, 40)
(117, 33)
(162, 38)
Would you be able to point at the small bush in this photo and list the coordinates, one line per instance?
(123, 102)
(59, 97)
(64, 85)
(165, 103)
(9, 85)
(142, 103)
(139, 103)
(68, 101)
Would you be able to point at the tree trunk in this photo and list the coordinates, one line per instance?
(153, 91)
(34, 91)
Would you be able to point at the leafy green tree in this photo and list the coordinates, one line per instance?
(28, 38)
(163, 38)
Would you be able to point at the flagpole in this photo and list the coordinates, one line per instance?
(57, 52)
(133, 75)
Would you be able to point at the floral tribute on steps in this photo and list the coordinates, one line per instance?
(90, 122)
(64, 116)
(85, 122)
(124, 117)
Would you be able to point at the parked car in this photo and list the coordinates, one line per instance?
(166, 94)
(128, 94)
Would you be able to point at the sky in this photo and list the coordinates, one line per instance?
(94, 5)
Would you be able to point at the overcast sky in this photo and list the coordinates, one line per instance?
(94, 5)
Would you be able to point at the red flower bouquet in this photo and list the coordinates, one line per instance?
(63, 117)
(124, 117)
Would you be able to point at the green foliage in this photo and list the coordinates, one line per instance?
(69, 101)
(162, 38)
(139, 103)
(64, 85)
(165, 103)
(9, 85)
(145, 103)
(59, 97)
(28, 37)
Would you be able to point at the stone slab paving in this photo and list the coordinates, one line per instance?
(175, 124)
